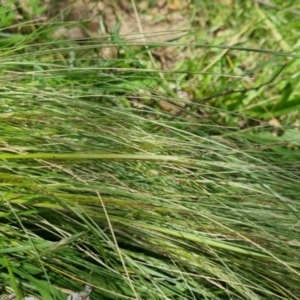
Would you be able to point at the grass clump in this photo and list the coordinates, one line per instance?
(101, 186)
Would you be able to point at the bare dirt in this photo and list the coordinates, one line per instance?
(138, 20)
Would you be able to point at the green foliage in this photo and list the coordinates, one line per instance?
(100, 185)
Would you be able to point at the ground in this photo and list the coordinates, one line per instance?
(229, 54)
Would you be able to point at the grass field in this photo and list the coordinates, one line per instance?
(166, 170)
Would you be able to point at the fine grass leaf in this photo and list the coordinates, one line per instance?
(286, 92)
(276, 110)
(14, 283)
(42, 287)
(85, 156)
(284, 108)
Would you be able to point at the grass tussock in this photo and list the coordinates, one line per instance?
(101, 186)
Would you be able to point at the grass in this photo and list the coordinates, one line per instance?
(102, 185)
